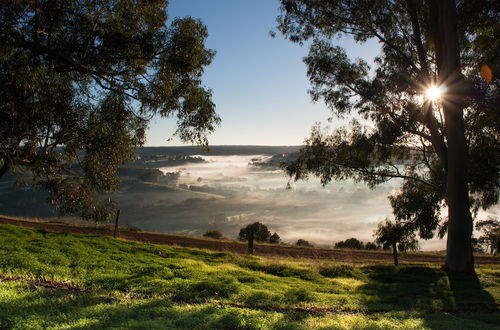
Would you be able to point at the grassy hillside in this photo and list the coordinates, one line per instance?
(74, 281)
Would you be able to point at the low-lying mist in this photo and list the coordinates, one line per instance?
(175, 190)
(227, 192)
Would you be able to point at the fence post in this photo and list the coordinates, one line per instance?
(115, 234)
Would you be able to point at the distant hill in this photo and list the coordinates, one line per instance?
(217, 150)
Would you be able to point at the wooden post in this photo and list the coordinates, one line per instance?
(115, 234)
(250, 242)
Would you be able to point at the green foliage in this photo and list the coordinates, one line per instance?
(304, 243)
(371, 246)
(213, 234)
(490, 237)
(350, 243)
(79, 81)
(275, 239)
(406, 136)
(390, 233)
(260, 232)
(135, 285)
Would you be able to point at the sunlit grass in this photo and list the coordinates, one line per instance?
(130, 284)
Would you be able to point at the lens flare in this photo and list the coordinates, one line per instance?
(434, 92)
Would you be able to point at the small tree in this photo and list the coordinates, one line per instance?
(491, 234)
(303, 242)
(351, 243)
(260, 232)
(371, 246)
(275, 239)
(395, 235)
(213, 234)
(255, 231)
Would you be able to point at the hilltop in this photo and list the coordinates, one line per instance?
(272, 250)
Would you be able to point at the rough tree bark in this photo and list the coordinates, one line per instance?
(4, 169)
(459, 258)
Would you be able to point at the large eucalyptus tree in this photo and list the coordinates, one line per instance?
(79, 81)
(430, 99)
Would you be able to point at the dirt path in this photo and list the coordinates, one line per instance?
(237, 247)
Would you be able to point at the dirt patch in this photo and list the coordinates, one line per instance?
(54, 285)
(353, 256)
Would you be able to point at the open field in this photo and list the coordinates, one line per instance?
(75, 281)
(342, 255)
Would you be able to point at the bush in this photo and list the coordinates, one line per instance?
(213, 234)
(303, 242)
(351, 243)
(275, 239)
(371, 246)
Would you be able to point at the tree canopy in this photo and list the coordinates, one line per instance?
(275, 239)
(303, 243)
(79, 81)
(445, 150)
(260, 232)
(350, 243)
(395, 235)
(490, 234)
(215, 234)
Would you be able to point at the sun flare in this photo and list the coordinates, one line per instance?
(434, 92)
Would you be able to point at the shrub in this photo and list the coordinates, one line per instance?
(303, 242)
(213, 234)
(371, 246)
(351, 243)
(275, 239)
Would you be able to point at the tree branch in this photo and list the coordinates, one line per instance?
(417, 38)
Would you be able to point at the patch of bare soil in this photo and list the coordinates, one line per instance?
(68, 286)
(353, 256)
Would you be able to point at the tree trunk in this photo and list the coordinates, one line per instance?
(395, 254)
(250, 242)
(4, 169)
(115, 233)
(459, 257)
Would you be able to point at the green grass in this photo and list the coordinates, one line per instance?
(122, 284)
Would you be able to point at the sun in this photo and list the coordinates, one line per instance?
(434, 92)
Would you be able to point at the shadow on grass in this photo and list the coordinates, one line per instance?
(423, 288)
(41, 308)
(469, 294)
(24, 307)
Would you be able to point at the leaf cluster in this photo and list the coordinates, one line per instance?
(259, 231)
(394, 233)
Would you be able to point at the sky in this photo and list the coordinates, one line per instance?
(259, 83)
